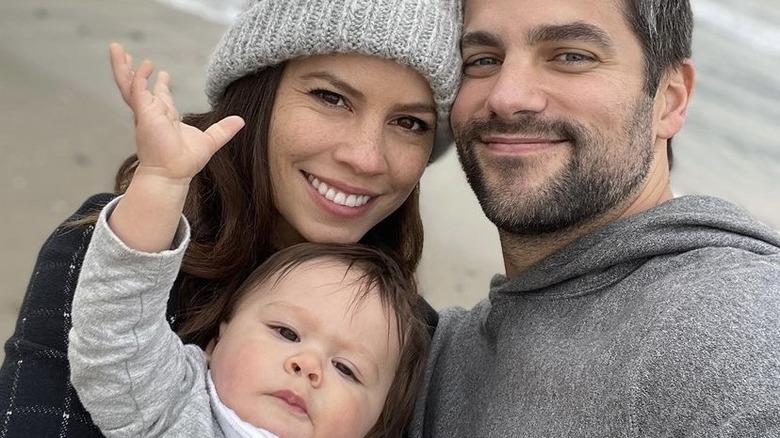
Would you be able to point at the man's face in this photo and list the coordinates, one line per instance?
(551, 122)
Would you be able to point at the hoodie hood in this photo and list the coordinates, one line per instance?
(607, 255)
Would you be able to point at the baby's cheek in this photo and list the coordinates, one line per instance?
(356, 413)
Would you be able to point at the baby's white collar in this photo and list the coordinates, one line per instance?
(232, 426)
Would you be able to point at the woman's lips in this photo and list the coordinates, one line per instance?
(346, 199)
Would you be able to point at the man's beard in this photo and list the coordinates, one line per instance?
(600, 174)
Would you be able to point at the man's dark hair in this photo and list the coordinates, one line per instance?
(664, 28)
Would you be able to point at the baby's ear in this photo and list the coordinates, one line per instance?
(210, 348)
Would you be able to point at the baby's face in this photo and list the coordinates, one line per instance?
(302, 358)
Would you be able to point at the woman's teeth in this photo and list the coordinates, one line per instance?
(337, 196)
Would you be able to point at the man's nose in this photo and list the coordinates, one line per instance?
(517, 89)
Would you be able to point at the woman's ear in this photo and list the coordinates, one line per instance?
(675, 95)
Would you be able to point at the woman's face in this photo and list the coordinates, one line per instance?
(350, 136)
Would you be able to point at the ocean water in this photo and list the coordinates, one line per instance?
(753, 23)
(218, 11)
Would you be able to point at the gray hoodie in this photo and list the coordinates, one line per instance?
(663, 324)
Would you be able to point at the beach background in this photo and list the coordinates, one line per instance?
(64, 129)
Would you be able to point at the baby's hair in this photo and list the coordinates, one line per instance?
(377, 270)
(380, 272)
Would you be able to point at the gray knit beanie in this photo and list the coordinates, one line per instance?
(422, 34)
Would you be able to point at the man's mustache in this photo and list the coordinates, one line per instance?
(528, 125)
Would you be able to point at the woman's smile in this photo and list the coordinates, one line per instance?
(337, 196)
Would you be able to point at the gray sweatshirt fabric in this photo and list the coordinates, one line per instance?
(131, 372)
(663, 324)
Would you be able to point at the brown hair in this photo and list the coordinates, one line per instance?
(380, 272)
(231, 210)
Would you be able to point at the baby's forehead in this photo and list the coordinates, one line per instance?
(320, 268)
(327, 273)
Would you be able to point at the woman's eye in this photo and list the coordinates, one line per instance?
(346, 371)
(412, 124)
(287, 333)
(329, 97)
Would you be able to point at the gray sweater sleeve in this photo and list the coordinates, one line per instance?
(131, 372)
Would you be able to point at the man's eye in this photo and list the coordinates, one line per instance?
(329, 97)
(288, 334)
(485, 60)
(483, 65)
(574, 58)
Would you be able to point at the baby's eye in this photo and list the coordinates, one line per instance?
(346, 371)
(411, 123)
(329, 97)
(287, 333)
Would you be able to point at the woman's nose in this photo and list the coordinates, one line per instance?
(364, 150)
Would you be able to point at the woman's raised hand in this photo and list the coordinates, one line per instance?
(167, 148)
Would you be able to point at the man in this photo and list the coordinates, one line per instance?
(623, 312)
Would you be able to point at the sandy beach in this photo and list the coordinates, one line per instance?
(64, 130)
(63, 127)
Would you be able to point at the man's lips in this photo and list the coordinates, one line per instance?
(294, 400)
(518, 143)
(520, 139)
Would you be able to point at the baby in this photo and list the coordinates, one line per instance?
(321, 340)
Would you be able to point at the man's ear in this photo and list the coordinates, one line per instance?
(674, 95)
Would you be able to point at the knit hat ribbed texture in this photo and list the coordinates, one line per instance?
(422, 34)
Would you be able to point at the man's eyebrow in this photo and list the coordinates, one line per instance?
(578, 31)
(480, 38)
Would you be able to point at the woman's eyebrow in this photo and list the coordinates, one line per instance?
(336, 82)
(415, 107)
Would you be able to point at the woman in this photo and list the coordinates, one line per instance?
(344, 124)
